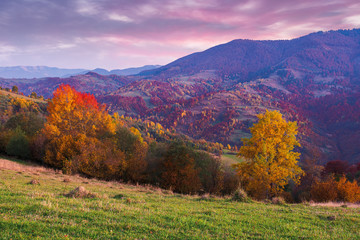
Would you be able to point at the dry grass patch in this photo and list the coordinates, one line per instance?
(336, 204)
(80, 192)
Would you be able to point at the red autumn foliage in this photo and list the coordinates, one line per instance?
(337, 167)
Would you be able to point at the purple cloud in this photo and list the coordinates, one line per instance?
(118, 34)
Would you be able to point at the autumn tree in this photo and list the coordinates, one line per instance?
(73, 118)
(270, 160)
(15, 89)
(132, 144)
(179, 171)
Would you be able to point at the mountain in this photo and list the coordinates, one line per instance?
(123, 72)
(314, 80)
(133, 71)
(28, 72)
(244, 60)
(35, 72)
(216, 94)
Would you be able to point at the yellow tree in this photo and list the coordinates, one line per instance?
(270, 161)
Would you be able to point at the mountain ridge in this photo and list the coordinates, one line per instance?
(29, 72)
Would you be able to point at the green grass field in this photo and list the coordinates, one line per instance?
(123, 211)
(229, 157)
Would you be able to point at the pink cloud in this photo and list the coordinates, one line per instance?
(108, 33)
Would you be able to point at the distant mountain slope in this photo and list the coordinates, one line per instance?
(36, 72)
(29, 72)
(122, 72)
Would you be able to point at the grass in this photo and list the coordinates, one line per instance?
(123, 211)
(229, 157)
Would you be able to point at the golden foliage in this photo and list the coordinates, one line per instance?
(331, 190)
(270, 162)
(73, 118)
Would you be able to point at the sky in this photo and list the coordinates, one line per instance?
(116, 34)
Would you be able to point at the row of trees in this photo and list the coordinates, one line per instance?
(79, 136)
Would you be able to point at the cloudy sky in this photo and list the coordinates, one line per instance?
(128, 33)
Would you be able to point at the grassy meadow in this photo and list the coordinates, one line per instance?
(121, 211)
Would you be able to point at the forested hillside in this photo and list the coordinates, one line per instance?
(216, 94)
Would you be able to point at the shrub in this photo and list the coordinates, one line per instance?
(240, 196)
(18, 145)
(231, 182)
(348, 191)
(324, 191)
(330, 190)
(278, 201)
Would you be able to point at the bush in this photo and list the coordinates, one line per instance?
(278, 201)
(18, 145)
(231, 181)
(240, 196)
(330, 190)
(324, 191)
(348, 191)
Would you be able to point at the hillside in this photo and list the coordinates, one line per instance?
(216, 94)
(89, 82)
(120, 211)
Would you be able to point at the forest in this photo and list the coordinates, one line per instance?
(74, 133)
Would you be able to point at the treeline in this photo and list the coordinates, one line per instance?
(77, 135)
(74, 133)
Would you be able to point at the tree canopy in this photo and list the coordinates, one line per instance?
(270, 160)
(73, 119)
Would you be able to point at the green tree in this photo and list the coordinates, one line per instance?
(33, 95)
(15, 89)
(270, 160)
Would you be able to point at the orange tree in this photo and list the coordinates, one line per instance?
(270, 161)
(73, 118)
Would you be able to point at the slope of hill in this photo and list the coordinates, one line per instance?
(217, 93)
(120, 211)
(90, 82)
